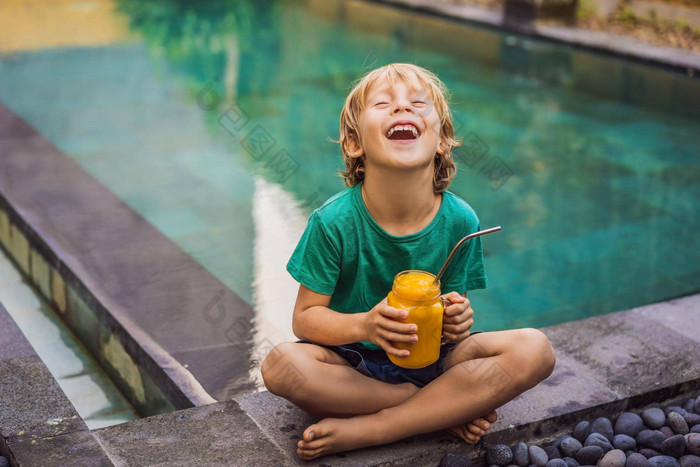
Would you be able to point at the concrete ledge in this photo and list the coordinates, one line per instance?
(38, 424)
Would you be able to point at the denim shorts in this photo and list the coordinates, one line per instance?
(375, 363)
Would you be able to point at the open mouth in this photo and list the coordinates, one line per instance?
(403, 132)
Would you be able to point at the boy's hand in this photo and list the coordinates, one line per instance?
(457, 320)
(382, 328)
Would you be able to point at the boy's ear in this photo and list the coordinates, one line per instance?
(352, 146)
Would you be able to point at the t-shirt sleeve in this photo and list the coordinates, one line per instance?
(315, 262)
(466, 272)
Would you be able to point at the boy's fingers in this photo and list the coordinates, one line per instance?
(393, 313)
(396, 337)
(454, 297)
(403, 328)
(391, 350)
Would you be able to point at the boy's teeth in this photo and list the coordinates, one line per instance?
(410, 128)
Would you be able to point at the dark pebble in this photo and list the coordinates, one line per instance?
(664, 461)
(692, 442)
(697, 404)
(692, 419)
(598, 439)
(689, 461)
(571, 462)
(649, 453)
(570, 446)
(689, 406)
(538, 456)
(630, 452)
(583, 429)
(552, 452)
(499, 454)
(557, 442)
(651, 439)
(4, 462)
(673, 446)
(675, 408)
(521, 458)
(624, 442)
(453, 459)
(667, 431)
(695, 429)
(603, 425)
(589, 455)
(614, 458)
(629, 424)
(654, 418)
(637, 460)
(677, 423)
(557, 463)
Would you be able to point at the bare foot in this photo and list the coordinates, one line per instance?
(473, 431)
(332, 435)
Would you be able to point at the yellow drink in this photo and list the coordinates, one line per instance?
(415, 292)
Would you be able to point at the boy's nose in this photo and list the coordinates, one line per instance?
(403, 106)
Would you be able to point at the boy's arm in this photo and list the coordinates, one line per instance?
(313, 320)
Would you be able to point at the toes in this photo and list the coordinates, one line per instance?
(309, 434)
(492, 417)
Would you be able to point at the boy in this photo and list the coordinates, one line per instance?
(396, 137)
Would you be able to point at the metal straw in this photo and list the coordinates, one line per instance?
(459, 244)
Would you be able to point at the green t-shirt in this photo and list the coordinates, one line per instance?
(346, 254)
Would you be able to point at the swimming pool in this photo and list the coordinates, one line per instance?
(213, 120)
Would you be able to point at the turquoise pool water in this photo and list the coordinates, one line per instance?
(212, 120)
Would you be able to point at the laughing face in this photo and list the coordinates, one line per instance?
(398, 127)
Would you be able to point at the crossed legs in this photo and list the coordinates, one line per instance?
(482, 373)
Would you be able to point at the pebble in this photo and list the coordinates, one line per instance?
(675, 408)
(697, 404)
(583, 429)
(667, 431)
(453, 459)
(689, 405)
(614, 458)
(598, 439)
(603, 425)
(664, 461)
(4, 462)
(692, 419)
(629, 424)
(637, 460)
(689, 461)
(557, 463)
(571, 462)
(589, 455)
(538, 456)
(552, 452)
(557, 442)
(499, 454)
(654, 418)
(570, 446)
(695, 429)
(692, 442)
(649, 453)
(677, 423)
(521, 458)
(651, 439)
(624, 442)
(673, 446)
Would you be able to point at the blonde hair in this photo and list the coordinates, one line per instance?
(445, 168)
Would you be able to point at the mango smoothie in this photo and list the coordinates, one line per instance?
(415, 292)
